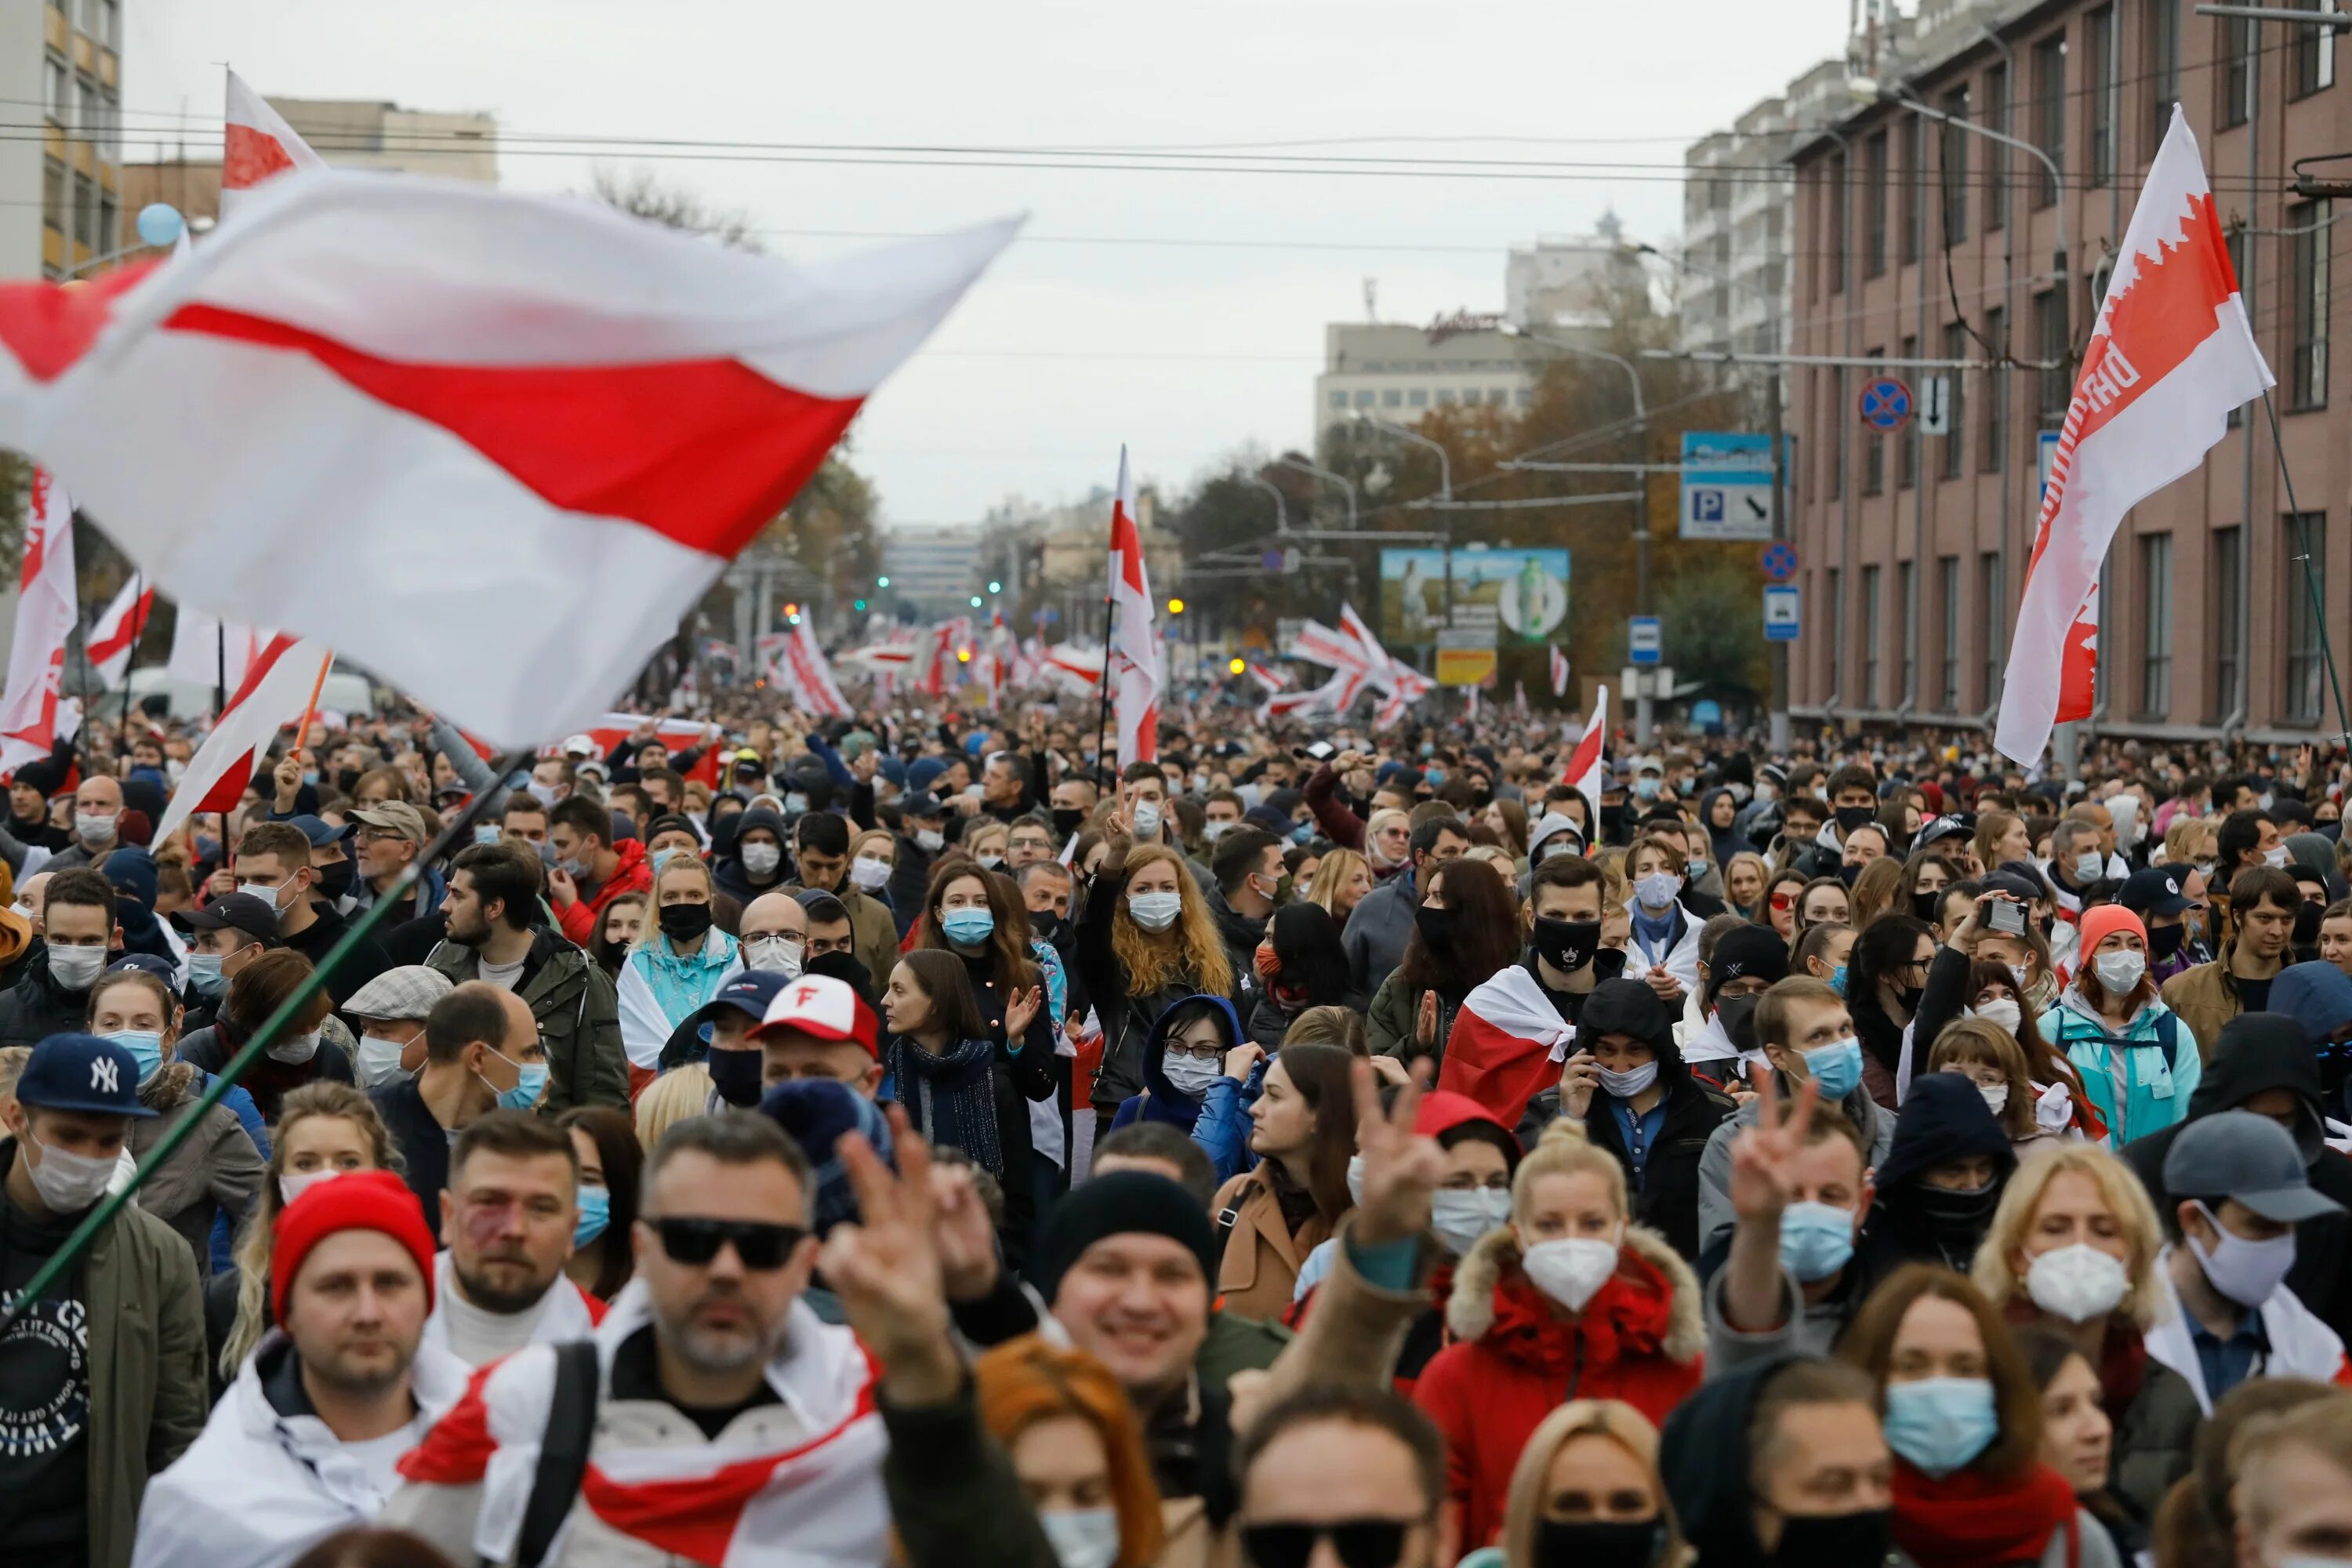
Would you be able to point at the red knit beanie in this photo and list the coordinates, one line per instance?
(2105, 921)
(362, 1200)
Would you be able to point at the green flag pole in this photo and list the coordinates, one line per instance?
(227, 1079)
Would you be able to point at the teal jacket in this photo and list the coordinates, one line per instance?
(2141, 1089)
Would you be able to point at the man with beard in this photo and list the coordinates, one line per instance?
(305, 1440)
(508, 1216)
(492, 911)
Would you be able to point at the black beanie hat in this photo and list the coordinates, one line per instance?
(1120, 1202)
(1752, 949)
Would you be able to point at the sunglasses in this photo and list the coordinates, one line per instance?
(697, 1241)
(1359, 1542)
(1783, 903)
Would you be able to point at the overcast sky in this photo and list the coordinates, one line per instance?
(1189, 352)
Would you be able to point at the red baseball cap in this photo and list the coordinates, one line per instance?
(822, 1007)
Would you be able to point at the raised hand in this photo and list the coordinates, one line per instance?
(1762, 1183)
(1241, 1058)
(1577, 1079)
(1424, 1022)
(1401, 1169)
(886, 1267)
(963, 1233)
(1021, 1011)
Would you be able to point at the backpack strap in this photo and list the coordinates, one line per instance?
(2167, 1036)
(563, 1453)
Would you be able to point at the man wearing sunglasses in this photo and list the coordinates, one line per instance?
(1343, 1478)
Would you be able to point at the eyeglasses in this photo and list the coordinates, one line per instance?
(1783, 903)
(1360, 1542)
(693, 1241)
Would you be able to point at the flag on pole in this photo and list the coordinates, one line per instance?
(276, 694)
(1271, 679)
(1586, 764)
(1134, 643)
(1505, 1046)
(2170, 355)
(362, 374)
(115, 633)
(810, 678)
(206, 652)
(1558, 671)
(46, 612)
(256, 145)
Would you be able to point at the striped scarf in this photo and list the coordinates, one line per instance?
(951, 1098)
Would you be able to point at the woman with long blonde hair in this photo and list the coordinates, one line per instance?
(1340, 883)
(1573, 1497)
(1145, 942)
(1078, 1451)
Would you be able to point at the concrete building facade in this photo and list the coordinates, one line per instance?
(61, 63)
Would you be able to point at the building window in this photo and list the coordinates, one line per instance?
(1392, 397)
(1363, 397)
(2048, 113)
(2306, 385)
(1338, 400)
(1948, 597)
(1995, 155)
(1994, 454)
(2050, 348)
(2234, 69)
(53, 194)
(1870, 636)
(1446, 397)
(1908, 588)
(1957, 138)
(1956, 408)
(1906, 456)
(2161, 30)
(59, 81)
(2315, 55)
(110, 116)
(85, 223)
(1874, 206)
(85, 106)
(1498, 396)
(1993, 607)
(2106, 92)
(2156, 624)
(1837, 200)
(2227, 576)
(1914, 187)
(1417, 397)
(2306, 552)
(1525, 397)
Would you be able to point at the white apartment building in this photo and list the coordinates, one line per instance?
(1399, 372)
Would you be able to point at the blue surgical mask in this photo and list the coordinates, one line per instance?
(1646, 787)
(1837, 980)
(1941, 1423)
(1302, 833)
(204, 973)
(485, 833)
(969, 927)
(1816, 1240)
(1836, 1067)
(525, 1094)
(146, 1048)
(595, 1213)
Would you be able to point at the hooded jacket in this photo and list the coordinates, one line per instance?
(1378, 929)
(1666, 1190)
(1515, 1359)
(728, 870)
(631, 875)
(578, 1012)
(1705, 1463)
(215, 1170)
(1945, 1120)
(131, 871)
(2258, 1052)
(2160, 1068)
(1241, 934)
(1161, 1100)
(2318, 997)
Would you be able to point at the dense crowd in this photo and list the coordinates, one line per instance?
(902, 1138)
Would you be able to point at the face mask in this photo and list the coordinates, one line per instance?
(1214, 831)
(1926, 907)
(294, 1049)
(2276, 857)
(204, 973)
(595, 1213)
(523, 1096)
(2120, 971)
(1849, 817)
(1848, 872)
(762, 859)
(795, 802)
(991, 861)
(266, 895)
(735, 1076)
(1067, 821)
(2004, 1012)
(1572, 1271)
(2245, 1271)
(1836, 1067)
(575, 867)
(77, 968)
(1835, 1538)
(1045, 923)
(1909, 996)
(2016, 974)
(1460, 1218)
(684, 923)
(2088, 865)
(2076, 1283)
(1837, 980)
(146, 1048)
(66, 1182)
(1626, 1085)
(1147, 821)
(93, 828)
(294, 1183)
(1657, 889)
(378, 1060)
(1081, 1537)
(1816, 1240)
(543, 793)
(969, 928)
(1996, 1097)
(775, 952)
(1941, 1423)
(485, 833)
(1190, 1075)
(1435, 926)
(1355, 1178)
(1567, 944)
(2205, 869)
(929, 840)
(1596, 1543)
(335, 880)
(1695, 869)
(1646, 787)
(1961, 1214)
(870, 873)
(1154, 911)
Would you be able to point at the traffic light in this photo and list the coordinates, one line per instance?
(996, 587)
(881, 582)
(860, 606)
(792, 612)
(1175, 606)
(975, 601)
(963, 655)
(1237, 665)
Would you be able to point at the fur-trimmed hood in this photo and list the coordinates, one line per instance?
(1470, 1310)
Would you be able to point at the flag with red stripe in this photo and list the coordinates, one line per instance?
(256, 145)
(1586, 764)
(276, 694)
(45, 611)
(1500, 1050)
(1558, 671)
(1134, 648)
(114, 636)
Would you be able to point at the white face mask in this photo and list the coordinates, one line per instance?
(1189, 1074)
(378, 1060)
(267, 895)
(2002, 1011)
(2120, 971)
(94, 828)
(2088, 865)
(1996, 1097)
(1625, 1085)
(1572, 1271)
(2277, 857)
(77, 968)
(1460, 1218)
(294, 1049)
(294, 1183)
(1355, 1178)
(775, 952)
(2245, 1271)
(929, 840)
(762, 859)
(68, 1183)
(1147, 821)
(2076, 1283)
(870, 873)
(1081, 1537)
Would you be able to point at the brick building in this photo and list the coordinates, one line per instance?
(1918, 239)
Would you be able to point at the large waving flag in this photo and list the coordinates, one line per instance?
(1134, 651)
(256, 145)
(114, 636)
(1587, 767)
(1504, 1047)
(278, 690)
(367, 378)
(810, 676)
(45, 611)
(2170, 355)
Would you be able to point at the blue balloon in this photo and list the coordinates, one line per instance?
(160, 222)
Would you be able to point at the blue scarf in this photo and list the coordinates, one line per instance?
(1655, 933)
(952, 1097)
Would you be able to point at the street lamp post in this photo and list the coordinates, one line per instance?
(1445, 489)
(1281, 512)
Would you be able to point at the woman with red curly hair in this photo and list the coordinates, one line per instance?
(1078, 1449)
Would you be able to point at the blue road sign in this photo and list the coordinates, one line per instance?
(1783, 613)
(1643, 642)
(1885, 404)
(1726, 485)
(1781, 560)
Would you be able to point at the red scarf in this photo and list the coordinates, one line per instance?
(1972, 1520)
(1626, 1317)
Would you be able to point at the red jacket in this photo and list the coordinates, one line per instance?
(579, 918)
(1515, 1358)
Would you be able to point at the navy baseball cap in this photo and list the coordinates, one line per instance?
(146, 962)
(2154, 890)
(84, 1073)
(256, 918)
(319, 832)
(921, 802)
(748, 991)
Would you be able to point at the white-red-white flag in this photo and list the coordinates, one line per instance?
(1587, 762)
(114, 636)
(811, 677)
(276, 693)
(365, 375)
(1505, 1045)
(1558, 671)
(45, 611)
(2170, 355)
(1271, 679)
(256, 145)
(1134, 641)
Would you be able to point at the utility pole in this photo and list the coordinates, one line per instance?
(1779, 719)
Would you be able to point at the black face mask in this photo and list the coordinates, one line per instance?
(1046, 924)
(1567, 944)
(347, 779)
(734, 1074)
(2307, 925)
(1806, 1541)
(1067, 821)
(1909, 996)
(1436, 927)
(335, 880)
(1582, 1543)
(1613, 824)
(2163, 942)
(1846, 874)
(1734, 1012)
(1929, 906)
(1850, 817)
(684, 923)
(1958, 1212)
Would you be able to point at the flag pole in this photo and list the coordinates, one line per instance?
(1110, 623)
(310, 709)
(459, 829)
(2310, 582)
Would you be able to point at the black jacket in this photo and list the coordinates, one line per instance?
(1241, 934)
(1945, 1119)
(1665, 1192)
(359, 966)
(37, 1008)
(1704, 1462)
(2255, 1052)
(422, 1142)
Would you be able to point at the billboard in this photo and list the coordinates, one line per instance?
(1514, 595)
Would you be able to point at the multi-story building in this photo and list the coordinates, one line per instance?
(350, 133)
(1580, 283)
(1920, 239)
(1399, 372)
(63, 66)
(1737, 222)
